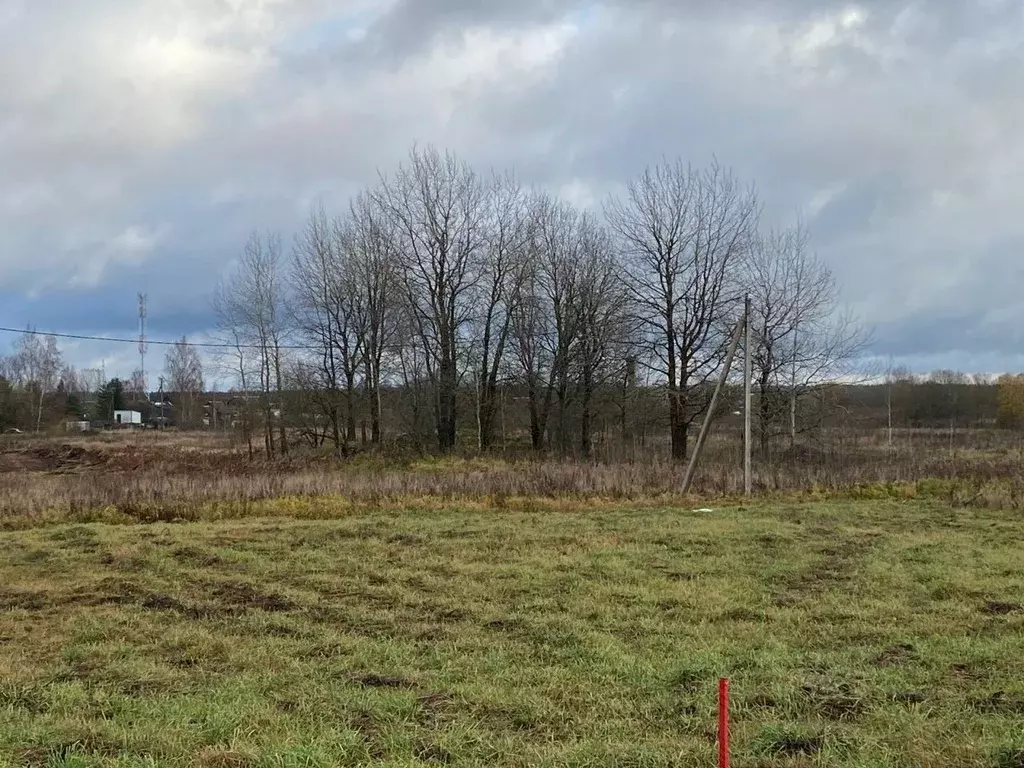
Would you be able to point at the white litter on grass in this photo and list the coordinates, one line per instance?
(705, 509)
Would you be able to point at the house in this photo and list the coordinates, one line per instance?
(128, 418)
(224, 412)
(161, 414)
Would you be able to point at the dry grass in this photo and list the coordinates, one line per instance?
(151, 476)
(159, 476)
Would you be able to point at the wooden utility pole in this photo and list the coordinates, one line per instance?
(706, 426)
(747, 369)
(163, 411)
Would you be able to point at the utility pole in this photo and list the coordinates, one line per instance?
(706, 426)
(747, 369)
(163, 413)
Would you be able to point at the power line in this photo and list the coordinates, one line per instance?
(115, 340)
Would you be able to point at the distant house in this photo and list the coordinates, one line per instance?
(77, 426)
(224, 412)
(128, 418)
(161, 414)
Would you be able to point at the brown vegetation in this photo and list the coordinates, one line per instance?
(153, 476)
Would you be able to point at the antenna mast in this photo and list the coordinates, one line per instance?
(143, 346)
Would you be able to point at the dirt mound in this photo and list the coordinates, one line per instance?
(18, 461)
(49, 458)
(68, 457)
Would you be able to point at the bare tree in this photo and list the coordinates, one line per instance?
(545, 323)
(314, 400)
(373, 241)
(323, 316)
(600, 309)
(502, 273)
(251, 310)
(436, 205)
(345, 280)
(234, 357)
(897, 380)
(351, 317)
(49, 373)
(802, 338)
(36, 366)
(72, 384)
(416, 383)
(626, 397)
(184, 372)
(136, 385)
(680, 231)
(952, 386)
(530, 334)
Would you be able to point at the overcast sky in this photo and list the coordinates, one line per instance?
(141, 140)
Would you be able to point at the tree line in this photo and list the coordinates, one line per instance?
(457, 288)
(40, 391)
(31, 399)
(451, 306)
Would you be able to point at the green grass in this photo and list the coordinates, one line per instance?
(860, 634)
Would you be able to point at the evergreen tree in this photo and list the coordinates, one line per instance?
(110, 398)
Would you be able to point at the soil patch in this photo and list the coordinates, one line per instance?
(896, 655)
(995, 608)
(372, 680)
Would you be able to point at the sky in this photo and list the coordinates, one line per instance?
(141, 141)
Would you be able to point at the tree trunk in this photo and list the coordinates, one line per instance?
(792, 417)
(339, 444)
(268, 431)
(282, 436)
(587, 394)
(680, 437)
(372, 374)
(765, 417)
(677, 424)
(446, 404)
(350, 408)
(536, 426)
(375, 411)
(888, 408)
(487, 410)
(563, 394)
(268, 421)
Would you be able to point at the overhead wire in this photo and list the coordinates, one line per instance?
(118, 340)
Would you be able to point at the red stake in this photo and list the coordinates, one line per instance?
(723, 723)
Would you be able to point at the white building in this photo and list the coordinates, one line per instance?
(128, 418)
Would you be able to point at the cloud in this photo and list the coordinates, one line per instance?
(141, 141)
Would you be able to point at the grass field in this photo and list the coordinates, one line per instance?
(855, 634)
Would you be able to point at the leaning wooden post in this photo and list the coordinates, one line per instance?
(705, 427)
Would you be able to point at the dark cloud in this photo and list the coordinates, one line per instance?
(141, 142)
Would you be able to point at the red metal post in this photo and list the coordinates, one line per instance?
(723, 723)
